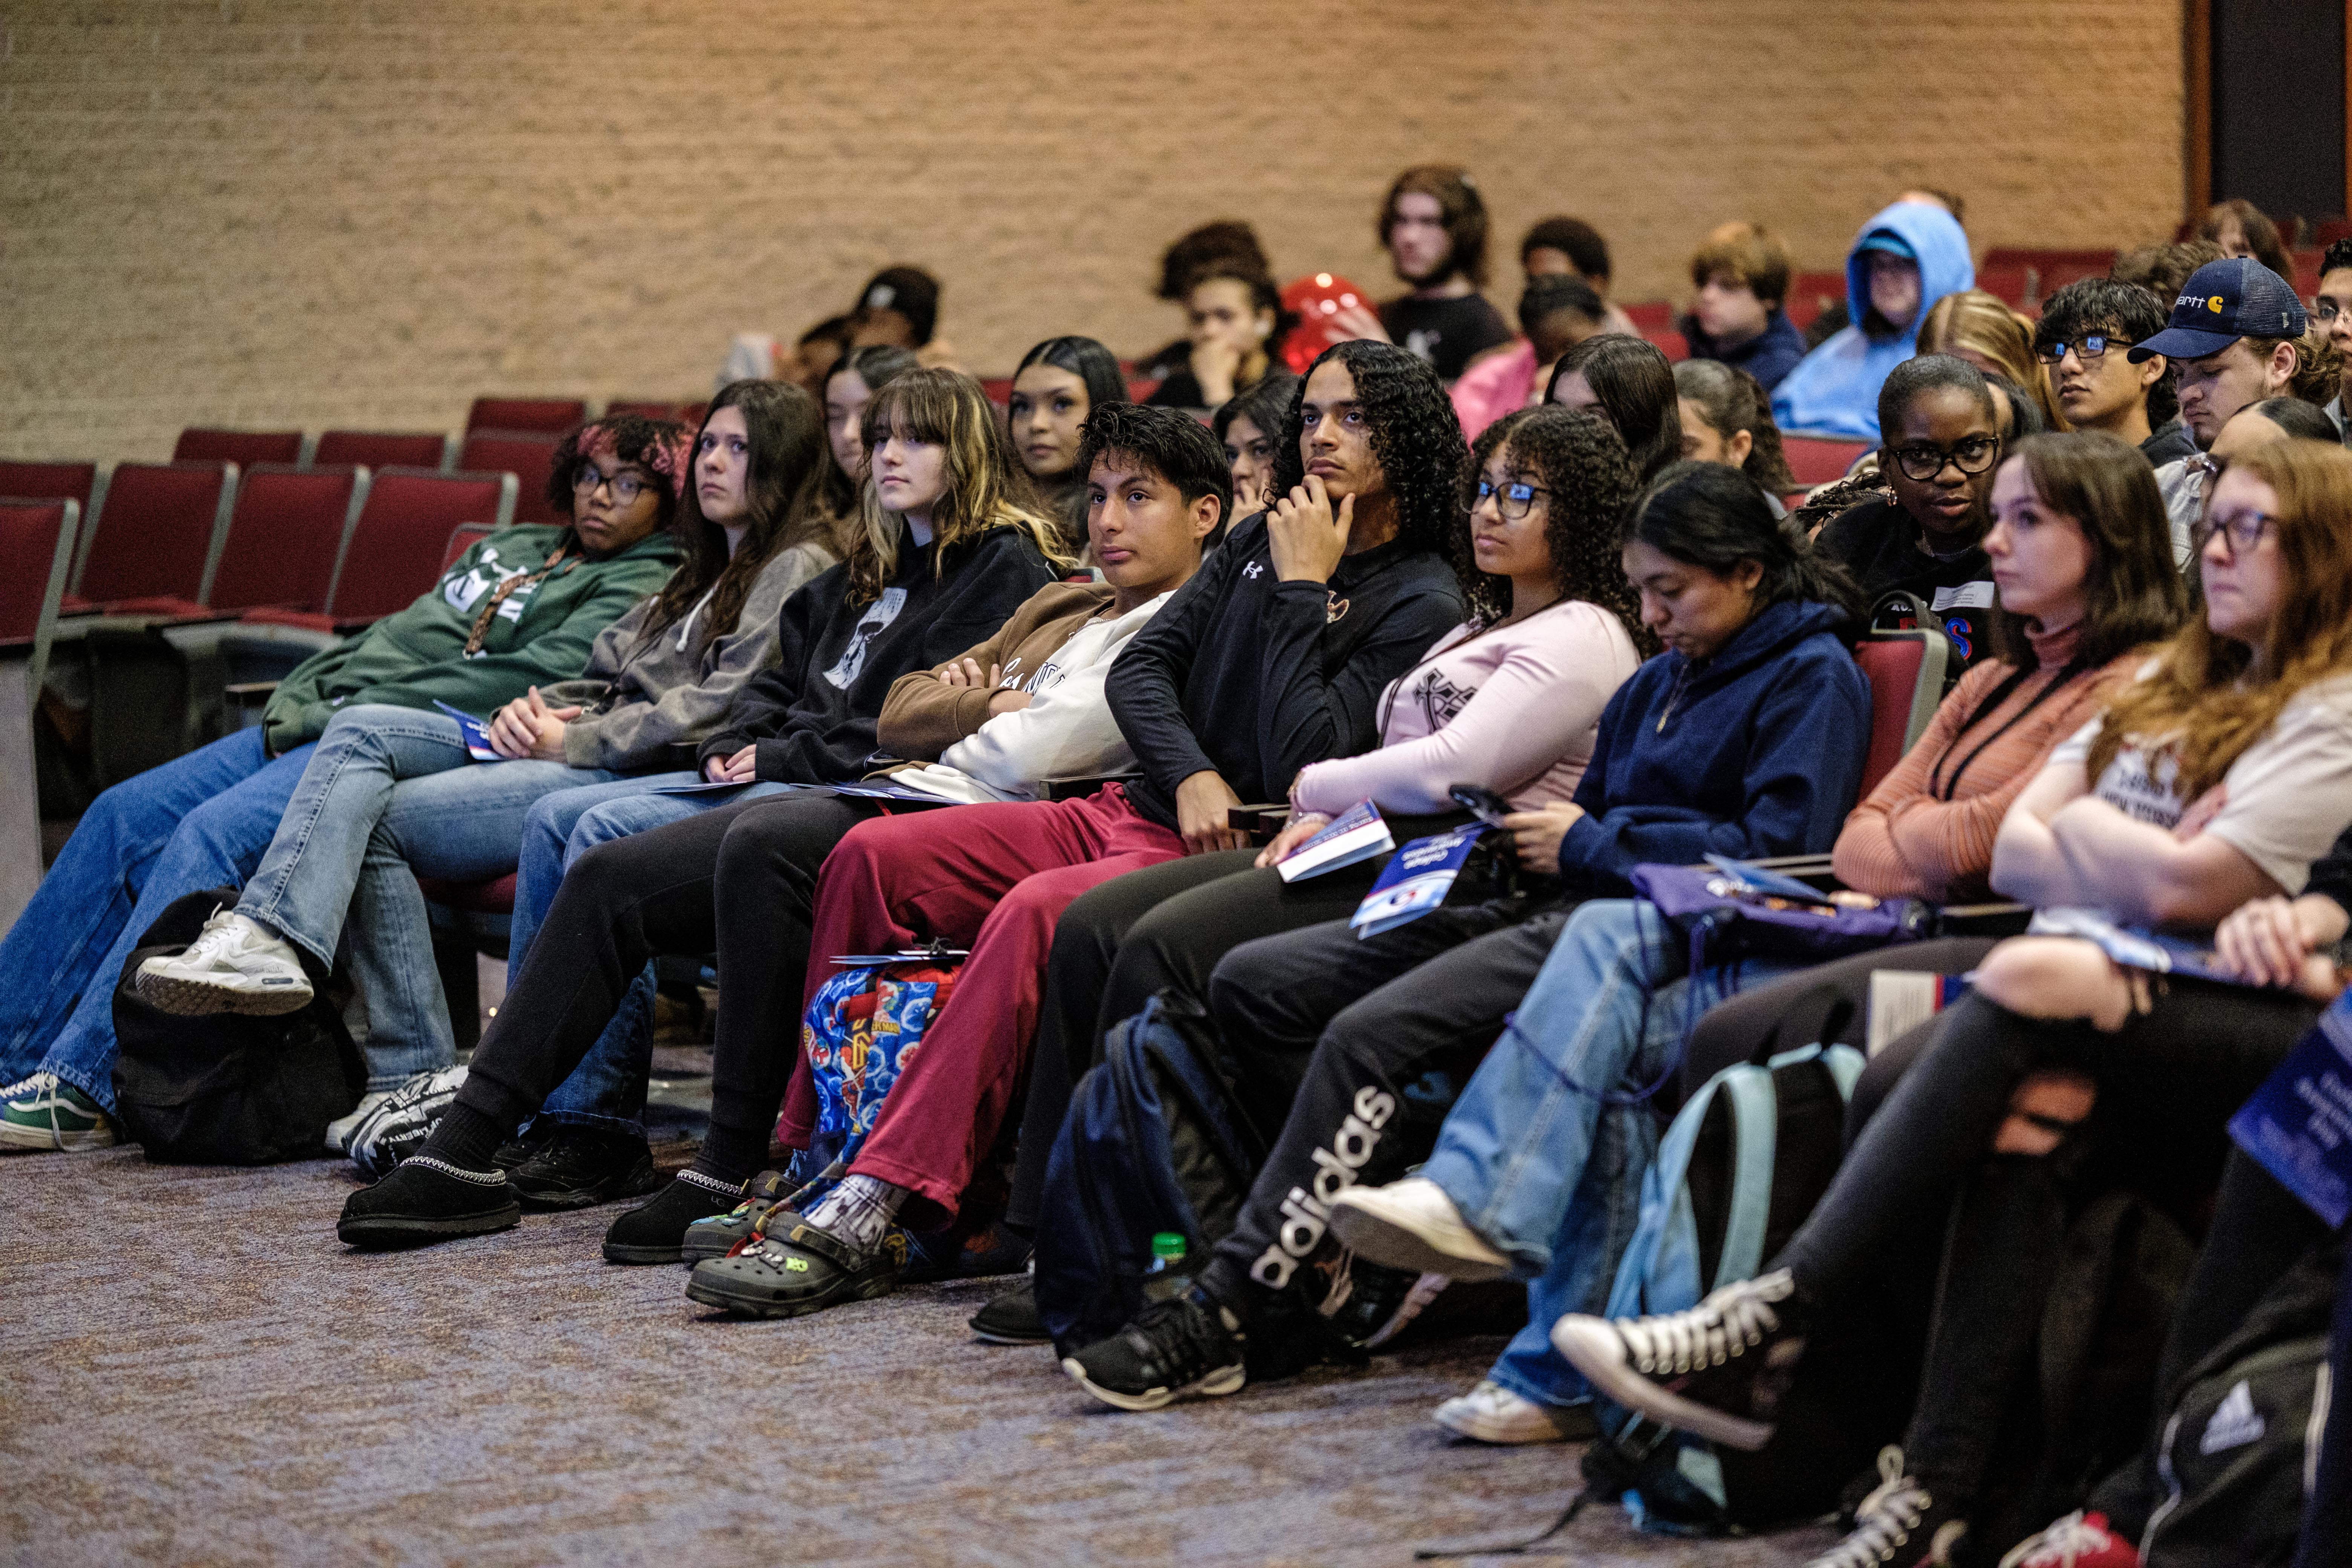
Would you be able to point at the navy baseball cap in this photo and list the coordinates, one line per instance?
(2221, 302)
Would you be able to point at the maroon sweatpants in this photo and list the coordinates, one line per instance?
(994, 879)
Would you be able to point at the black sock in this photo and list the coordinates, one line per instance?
(731, 1156)
(465, 1138)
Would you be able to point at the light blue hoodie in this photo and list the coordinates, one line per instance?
(1833, 391)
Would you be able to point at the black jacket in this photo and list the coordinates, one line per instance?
(1878, 541)
(1256, 678)
(812, 712)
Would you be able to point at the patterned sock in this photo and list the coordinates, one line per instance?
(858, 1211)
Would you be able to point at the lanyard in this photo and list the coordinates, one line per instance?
(556, 565)
(1942, 789)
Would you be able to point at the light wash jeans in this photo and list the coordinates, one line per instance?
(391, 794)
(199, 821)
(1545, 1152)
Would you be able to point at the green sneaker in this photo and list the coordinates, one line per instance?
(46, 1112)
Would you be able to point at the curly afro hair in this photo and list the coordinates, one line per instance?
(657, 445)
(1577, 457)
(1414, 433)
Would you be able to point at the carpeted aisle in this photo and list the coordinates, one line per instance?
(198, 1373)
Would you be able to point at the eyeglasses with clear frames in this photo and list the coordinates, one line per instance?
(2244, 532)
(625, 487)
(2089, 346)
(1513, 499)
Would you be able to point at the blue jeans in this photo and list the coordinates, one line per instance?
(607, 1089)
(1537, 1162)
(201, 821)
(391, 794)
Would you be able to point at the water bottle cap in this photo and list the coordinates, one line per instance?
(1167, 1244)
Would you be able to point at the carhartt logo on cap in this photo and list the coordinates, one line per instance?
(2214, 304)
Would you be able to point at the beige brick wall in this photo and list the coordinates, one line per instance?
(363, 214)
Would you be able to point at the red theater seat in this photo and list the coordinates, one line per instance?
(154, 544)
(1905, 670)
(381, 449)
(50, 481)
(396, 544)
(1816, 461)
(546, 416)
(527, 457)
(284, 536)
(243, 447)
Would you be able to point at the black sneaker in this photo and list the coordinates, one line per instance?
(583, 1166)
(656, 1232)
(1011, 1318)
(427, 1200)
(1186, 1344)
(805, 1270)
(1715, 1370)
(514, 1151)
(1902, 1522)
(763, 1210)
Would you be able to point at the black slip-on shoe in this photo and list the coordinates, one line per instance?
(805, 1270)
(583, 1166)
(654, 1232)
(1011, 1318)
(427, 1200)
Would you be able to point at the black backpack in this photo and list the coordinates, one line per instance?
(228, 1089)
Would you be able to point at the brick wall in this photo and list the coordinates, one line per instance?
(364, 214)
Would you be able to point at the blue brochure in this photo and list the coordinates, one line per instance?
(1415, 881)
(1355, 834)
(477, 734)
(2133, 947)
(2298, 1125)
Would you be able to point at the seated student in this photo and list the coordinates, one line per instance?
(2246, 351)
(2271, 419)
(1227, 241)
(899, 309)
(2331, 311)
(1942, 441)
(1572, 247)
(1236, 315)
(2014, 411)
(1554, 632)
(2218, 778)
(1906, 259)
(523, 606)
(756, 356)
(1557, 312)
(1726, 419)
(1270, 659)
(1744, 737)
(844, 392)
(1835, 317)
(1058, 384)
(2164, 270)
(390, 792)
(1433, 226)
(1631, 384)
(1978, 327)
(2243, 229)
(1740, 280)
(2080, 340)
(1534, 1176)
(945, 556)
(1250, 424)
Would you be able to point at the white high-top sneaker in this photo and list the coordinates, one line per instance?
(233, 966)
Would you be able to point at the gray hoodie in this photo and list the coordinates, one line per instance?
(641, 696)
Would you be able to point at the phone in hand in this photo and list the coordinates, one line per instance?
(1481, 803)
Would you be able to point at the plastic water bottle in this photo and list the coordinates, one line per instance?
(1164, 1278)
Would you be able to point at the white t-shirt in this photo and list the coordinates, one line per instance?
(2288, 796)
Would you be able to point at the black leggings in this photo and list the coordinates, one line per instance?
(660, 892)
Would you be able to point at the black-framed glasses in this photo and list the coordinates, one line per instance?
(1923, 460)
(2089, 346)
(626, 487)
(2244, 532)
(1512, 499)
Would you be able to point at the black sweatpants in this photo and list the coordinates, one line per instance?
(1370, 1043)
(740, 880)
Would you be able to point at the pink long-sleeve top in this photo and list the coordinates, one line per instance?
(1515, 708)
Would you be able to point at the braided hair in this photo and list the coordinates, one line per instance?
(1414, 433)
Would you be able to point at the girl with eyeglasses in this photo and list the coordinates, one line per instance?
(2216, 780)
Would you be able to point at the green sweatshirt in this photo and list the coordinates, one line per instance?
(540, 635)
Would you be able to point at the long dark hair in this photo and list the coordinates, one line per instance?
(876, 364)
(1414, 433)
(1713, 517)
(1086, 359)
(1732, 400)
(1579, 460)
(1635, 387)
(2133, 592)
(784, 446)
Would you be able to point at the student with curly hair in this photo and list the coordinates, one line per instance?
(1237, 323)
(1726, 418)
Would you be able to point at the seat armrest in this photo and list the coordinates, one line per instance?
(247, 694)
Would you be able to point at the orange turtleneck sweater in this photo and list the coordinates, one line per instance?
(1927, 831)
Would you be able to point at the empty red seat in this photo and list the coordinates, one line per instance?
(650, 410)
(1669, 341)
(284, 535)
(243, 447)
(1650, 315)
(152, 546)
(1138, 387)
(36, 542)
(49, 481)
(547, 416)
(396, 544)
(1815, 461)
(2047, 270)
(998, 387)
(381, 449)
(527, 457)
(1907, 671)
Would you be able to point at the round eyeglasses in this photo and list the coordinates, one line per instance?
(1922, 460)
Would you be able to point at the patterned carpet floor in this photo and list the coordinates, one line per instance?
(198, 1373)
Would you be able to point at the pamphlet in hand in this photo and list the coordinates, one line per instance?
(1355, 834)
(938, 953)
(477, 734)
(2298, 1125)
(703, 786)
(2136, 949)
(1416, 881)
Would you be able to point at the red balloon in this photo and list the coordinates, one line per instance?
(1313, 300)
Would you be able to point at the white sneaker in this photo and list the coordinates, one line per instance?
(1411, 1224)
(233, 966)
(1493, 1414)
(338, 1132)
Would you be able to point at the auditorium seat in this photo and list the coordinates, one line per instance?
(545, 415)
(462, 538)
(2047, 271)
(381, 449)
(528, 456)
(1815, 461)
(1811, 293)
(650, 410)
(284, 536)
(1906, 670)
(36, 541)
(76, 482)
(1651, 316)
(154, 545)
(1669, 343)
(395, 550)
(243, 447)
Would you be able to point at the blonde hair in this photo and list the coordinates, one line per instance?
(1978, 322)
(2210, 698)
(983, 489)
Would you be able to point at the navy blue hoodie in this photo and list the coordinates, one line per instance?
(1758, 752)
